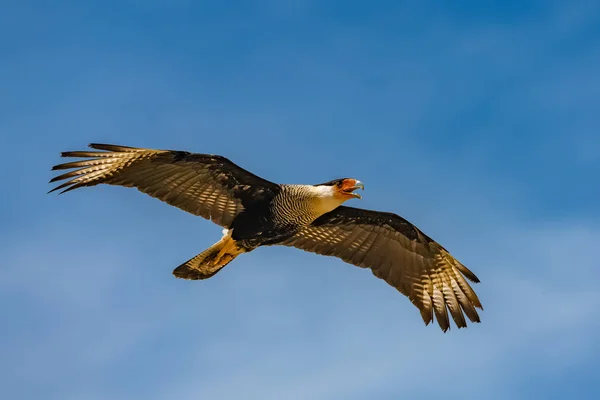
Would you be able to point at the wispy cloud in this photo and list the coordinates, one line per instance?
(538, 316)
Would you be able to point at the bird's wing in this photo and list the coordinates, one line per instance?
(399, 253)
(207, 185)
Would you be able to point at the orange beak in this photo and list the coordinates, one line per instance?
(350, 185)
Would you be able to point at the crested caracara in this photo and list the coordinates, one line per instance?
(256, 212)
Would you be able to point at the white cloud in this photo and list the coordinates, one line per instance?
(538, 315)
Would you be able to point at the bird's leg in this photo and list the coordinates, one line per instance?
(229, 248)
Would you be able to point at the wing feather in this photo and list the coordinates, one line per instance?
(206, 185)
(399, 253)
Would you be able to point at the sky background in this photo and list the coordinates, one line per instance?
(476, 121)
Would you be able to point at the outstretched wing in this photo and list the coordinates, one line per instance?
(399, 253)
(206, 185)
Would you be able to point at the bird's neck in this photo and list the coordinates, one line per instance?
(302, 204)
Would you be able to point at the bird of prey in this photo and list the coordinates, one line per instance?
(255, 212)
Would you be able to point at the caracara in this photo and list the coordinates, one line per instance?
(255, 212)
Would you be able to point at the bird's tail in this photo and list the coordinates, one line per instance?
(211, 260)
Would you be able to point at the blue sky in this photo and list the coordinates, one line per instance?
(479, 123)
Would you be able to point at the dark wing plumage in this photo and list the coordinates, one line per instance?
(206, 185)
(399, 253)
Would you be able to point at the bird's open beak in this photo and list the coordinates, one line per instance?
(357, 185)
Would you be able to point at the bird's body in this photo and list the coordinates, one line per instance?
(277, 217)
(255, 212)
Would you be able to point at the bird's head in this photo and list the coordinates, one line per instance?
(344, 189)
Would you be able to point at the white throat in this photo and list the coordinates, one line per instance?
(325, 198)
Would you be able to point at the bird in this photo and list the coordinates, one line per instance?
(256, 212)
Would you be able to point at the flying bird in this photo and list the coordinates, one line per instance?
(255, 212)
